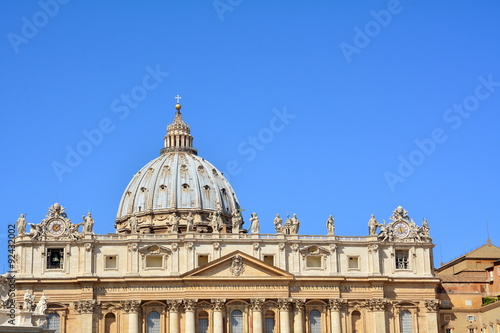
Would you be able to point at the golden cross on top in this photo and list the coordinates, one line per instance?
(178, 98)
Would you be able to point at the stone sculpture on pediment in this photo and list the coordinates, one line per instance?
(189, 222)
(237, 221)
(237, 265)
(255, 224)
(21, 225)
(330, 225)
(278, 224)
(88, 224)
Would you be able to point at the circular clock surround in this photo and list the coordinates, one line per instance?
(401, 229)
(56, 227)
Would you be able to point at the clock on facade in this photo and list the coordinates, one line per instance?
(56, 227)
(401, 229)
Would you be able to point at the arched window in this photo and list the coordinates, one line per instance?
(203, 322)
(110, 323)
(236, 321)
(314, 321)
(54, 322)
(357, 325)
(153, 322)
(406, 322)
(269, 322)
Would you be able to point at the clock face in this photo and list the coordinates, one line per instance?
(401, 230)
(56, 227)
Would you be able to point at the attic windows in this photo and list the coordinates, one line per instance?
(154, 262)
(269, 259)
(313, 262)
(353, 262)
(202, 259)
(110, 262)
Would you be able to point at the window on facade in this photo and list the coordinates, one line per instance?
(154, 262)
(202, 259)
(313, 261)
(353, 262)
(203, 322)
(110, 323)
(447, 317)
(448, 330)
(357, 325)
(54, 322)
(468, 302)
(315, 322)
(470, 318)
(269, 322)
(110, 262)
(269, 259)
(402, 261)
(236, 321)
(406, 322)
(153, 322)
(446, 302)
(472, 330)
(55, 258)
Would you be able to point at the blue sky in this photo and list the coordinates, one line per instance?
(337, 107)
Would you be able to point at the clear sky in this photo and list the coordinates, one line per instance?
(348, 108)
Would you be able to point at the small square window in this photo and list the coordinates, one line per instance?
(353, 262)
(110, 262)
(313, 262)
(448, 330)
(468, 302)
(202, 259)
(55, 258)
(154, 262)
(447, 318)
(269, 259)
(446, 302)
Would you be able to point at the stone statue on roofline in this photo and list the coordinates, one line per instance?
(88, 223)
(255, 225)
(189, 222)
(236, 221)
(373, 225)
(330, 225)
(21, 225)
(295, 224)
(278, 224)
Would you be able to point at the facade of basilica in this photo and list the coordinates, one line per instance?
(181, 262)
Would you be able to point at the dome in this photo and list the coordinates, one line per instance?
(178, 192)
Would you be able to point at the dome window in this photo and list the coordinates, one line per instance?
(224, 191)
(184, 167)
(201, 168)
(163, 186)
(143, 189)
(185, 186)
(214, 171)
(206, 187)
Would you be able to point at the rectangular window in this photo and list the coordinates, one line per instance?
(55, 258)
(446, 302)
(313, 262)
(353, 262)
(447, 317)
(110, 262)
(202, 259)
(269, 259)
(468, 302)
(269, 325)
(203, 325)
(154, 262)
(472, 330)
(471, 318)
(448, 330)
(402, 261)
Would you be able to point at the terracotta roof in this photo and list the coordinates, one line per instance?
(462, 278)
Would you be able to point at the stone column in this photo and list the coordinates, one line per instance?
(336, 305)
(190, 306)
(86, 311)
(256, 305)
(173, 307)
(284, 307)
(432, 306)
(218, 307)
(133, 317)
(298, 319)
(378, 310)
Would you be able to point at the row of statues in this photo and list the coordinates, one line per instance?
(29, 300)
(291, 226)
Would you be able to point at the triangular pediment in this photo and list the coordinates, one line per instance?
(237, 265)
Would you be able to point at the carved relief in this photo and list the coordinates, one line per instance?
(376, 304)
(284, 304)
(256, 304)
(237, 265)
(87, 306)
(218, 304)
(190, 304)
(337, 304)
(431, 305)
(174, 305)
